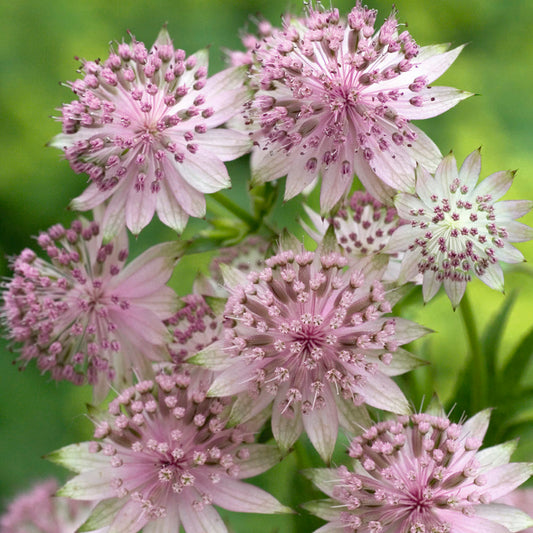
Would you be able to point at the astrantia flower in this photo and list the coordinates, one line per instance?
(39, 511)
(194, 327)
(144, 128)
(162, 460)
(311, 338)
(337, 98)
(246, 256)
(457, 229)
(83, 315)
(363, 227)
(422, 474)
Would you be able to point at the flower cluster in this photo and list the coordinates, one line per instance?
(311, 338)
(82, 314)
(161, 456)
(363, 227)
(457, 228)
(39, 511)
(336, 98)
(145, 128)
(423, 473)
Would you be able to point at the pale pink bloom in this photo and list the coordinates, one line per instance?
(84, 315)
(336, 99)
(422, 474)
(145, 130)
(523, 499)
(310, 338)
(363, 227)
(161, 460)
(248, 255)
(194, 327)
(457, 228)
(39, 511)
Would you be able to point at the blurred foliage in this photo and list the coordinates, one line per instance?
(37, 47)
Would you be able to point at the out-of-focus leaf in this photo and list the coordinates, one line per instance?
(490, 341)
(516, 365)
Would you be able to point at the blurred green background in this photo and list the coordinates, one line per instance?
(38, 42)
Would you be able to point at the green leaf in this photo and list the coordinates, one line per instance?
(515, 367)
(490, 341)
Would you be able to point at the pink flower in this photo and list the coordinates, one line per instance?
(82, 314)
(310, 338)
(457, 228)
(145, 129)
(337, 98)
(422, 474)
(193, 328)
(39, 511)
(363, 227)
(162, 460)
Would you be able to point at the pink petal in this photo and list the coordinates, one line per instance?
(268, 165)
(205, 521)
(512, 209)
(140, 208)
(261, 457)
(455, 291)
(130, 519)
(90, 198)
(434, 101)
(90, 485)
(204, 172)
(430, 285)
(496, 184)
(322, 425)
(381, 392)
(424, 151)
(468, 524)
(225, 144)
(148, 272)
(470, 169)
(493, 277)
(245, 498)
(169, 210)
(286, 429)
(518, 232)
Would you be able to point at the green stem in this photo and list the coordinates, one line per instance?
(479, 368)
(237, 210)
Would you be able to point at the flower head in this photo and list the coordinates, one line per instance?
(457, 229)
(194, 327)
(422, 474)
(39, 511)
(337, 97)
(82, 314)
(144, 128)
(160, 456)
(312, 338)
(363, 227)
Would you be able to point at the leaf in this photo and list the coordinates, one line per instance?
(515, 367)
(490, 341)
